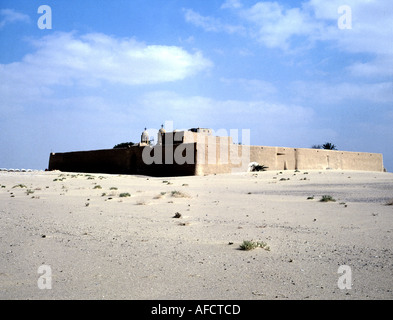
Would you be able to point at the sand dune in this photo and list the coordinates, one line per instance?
(115, 237)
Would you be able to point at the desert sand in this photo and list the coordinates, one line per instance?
(116, 236)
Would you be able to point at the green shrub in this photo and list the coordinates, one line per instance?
(250, 245)
(124, 195)
(327, 198)
(178, 194)
(19, 186)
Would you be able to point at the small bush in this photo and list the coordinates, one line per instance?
(327, 198)
(113, 188)
(178, 194)
(97, 187)
(124, 195)
(255, 167)
(250, 245)
(177, 215)
(19, 186)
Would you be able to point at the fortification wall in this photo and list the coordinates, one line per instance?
(97, 161)
(277, 158)
(237, 158)
(214, 155)
(128, 161)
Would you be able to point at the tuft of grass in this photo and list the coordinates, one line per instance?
(124, 195)
(258, 167)
(177, 215)
(178, 194)
(251, 245)
(327, 198)
(310, 198)
(29, 191)
(97, 187)
(113, 188)
(19, 186)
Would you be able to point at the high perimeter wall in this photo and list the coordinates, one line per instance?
(277, 158)
(236, 158)
(125, 161)
(213, 155)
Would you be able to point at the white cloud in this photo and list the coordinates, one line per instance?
(324, 93)
(314, 21)
(382, 66)
(199, 109)
(232, 4)
(372, 25)
(8, 16)
(90, 59)
(210, 24)
(258, 88)
(93, 60)
(274, 25)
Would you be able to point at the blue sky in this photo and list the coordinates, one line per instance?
(286, 70)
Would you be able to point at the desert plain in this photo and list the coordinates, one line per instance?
(98, 236)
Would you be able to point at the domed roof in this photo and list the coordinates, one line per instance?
(162, 130)
(145, 136)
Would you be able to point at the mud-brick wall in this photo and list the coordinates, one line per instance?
(96, 161)
(169, 160)
(122, 161)
(275, 158)
(344, 160)
(218, 155)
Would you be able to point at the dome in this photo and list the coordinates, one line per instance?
(162, 130)
(145, 136)
(160, 135)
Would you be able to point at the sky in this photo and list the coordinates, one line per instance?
(87, 75)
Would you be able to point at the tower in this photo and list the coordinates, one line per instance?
(145, 137)
(160, 138)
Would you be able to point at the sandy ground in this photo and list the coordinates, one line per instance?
(101, 245)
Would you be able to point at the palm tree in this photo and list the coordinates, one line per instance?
(329, 146)
(326, 146)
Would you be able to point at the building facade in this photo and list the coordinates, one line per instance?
(198, 152)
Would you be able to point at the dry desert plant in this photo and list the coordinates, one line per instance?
(179, 194)
(250, 245)
(124, 195)
(327, 198)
